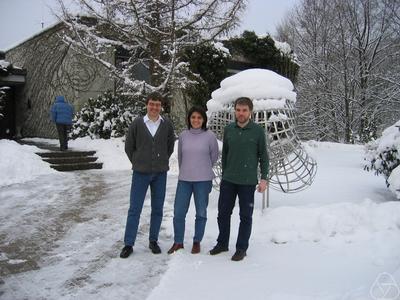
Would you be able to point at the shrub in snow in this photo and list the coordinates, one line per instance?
(265, 53)
(383, 154)
(106, 116)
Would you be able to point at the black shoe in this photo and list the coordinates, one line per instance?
(239, 255)
(126, 251)
(218, 249)
(154, 247)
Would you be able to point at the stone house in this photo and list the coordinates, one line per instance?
(51, 69)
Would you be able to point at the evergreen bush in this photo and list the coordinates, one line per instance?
(209, 61)
(383, 154)
(106, 116)
(263, 53)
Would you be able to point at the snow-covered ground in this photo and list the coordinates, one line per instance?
(61, 234)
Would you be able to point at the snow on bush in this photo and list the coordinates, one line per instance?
(383, 156)
(105, 117)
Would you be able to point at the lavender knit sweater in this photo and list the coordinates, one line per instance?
(197, 153)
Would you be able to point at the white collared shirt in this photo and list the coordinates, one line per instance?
(152, 126)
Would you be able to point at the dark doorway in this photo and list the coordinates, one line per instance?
(7, 121)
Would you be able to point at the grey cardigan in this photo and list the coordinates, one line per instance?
(150, 154)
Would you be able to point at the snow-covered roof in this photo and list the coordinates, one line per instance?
(4, 65)
(7, 68)
(266, 88)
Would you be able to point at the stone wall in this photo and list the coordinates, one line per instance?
(53, 68)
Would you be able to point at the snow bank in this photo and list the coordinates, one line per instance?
(19, 163)
(110, 152)
(266, 88)
(346, 221)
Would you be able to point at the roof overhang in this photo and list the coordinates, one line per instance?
(12, 79)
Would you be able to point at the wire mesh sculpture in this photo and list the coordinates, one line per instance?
(292, 169)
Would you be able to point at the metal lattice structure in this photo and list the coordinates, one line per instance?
(291, 168)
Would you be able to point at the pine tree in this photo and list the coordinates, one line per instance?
(383, 154)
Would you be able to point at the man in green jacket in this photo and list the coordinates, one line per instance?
(244, 149)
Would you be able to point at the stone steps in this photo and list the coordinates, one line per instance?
(64, 154)
(77, 166)
(65, 161)
(70, 160)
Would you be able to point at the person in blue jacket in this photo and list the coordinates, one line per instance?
(61, 114)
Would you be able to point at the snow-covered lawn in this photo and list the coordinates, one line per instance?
(61, 234)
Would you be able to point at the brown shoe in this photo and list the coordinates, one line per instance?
(175, 247)
(239, 255)
(196, 248)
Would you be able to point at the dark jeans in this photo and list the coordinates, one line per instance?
(140, 184)
(63, 130)
(226, 203)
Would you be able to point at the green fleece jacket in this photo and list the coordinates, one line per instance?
(243, 150)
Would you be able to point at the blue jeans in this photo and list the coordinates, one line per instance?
(226, 203)
(184, 191)
(140, 184)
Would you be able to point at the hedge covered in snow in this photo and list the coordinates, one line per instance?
(106, 116)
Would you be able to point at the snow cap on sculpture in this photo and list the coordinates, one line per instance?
(266, 88)
(291, 168)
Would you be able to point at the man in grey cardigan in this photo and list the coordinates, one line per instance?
(149, 145)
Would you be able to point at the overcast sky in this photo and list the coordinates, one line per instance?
(20, 19)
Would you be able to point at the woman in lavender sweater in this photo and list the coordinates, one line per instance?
(197, 153)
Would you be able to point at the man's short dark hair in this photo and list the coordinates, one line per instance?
(244, 101)
(155, 96)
